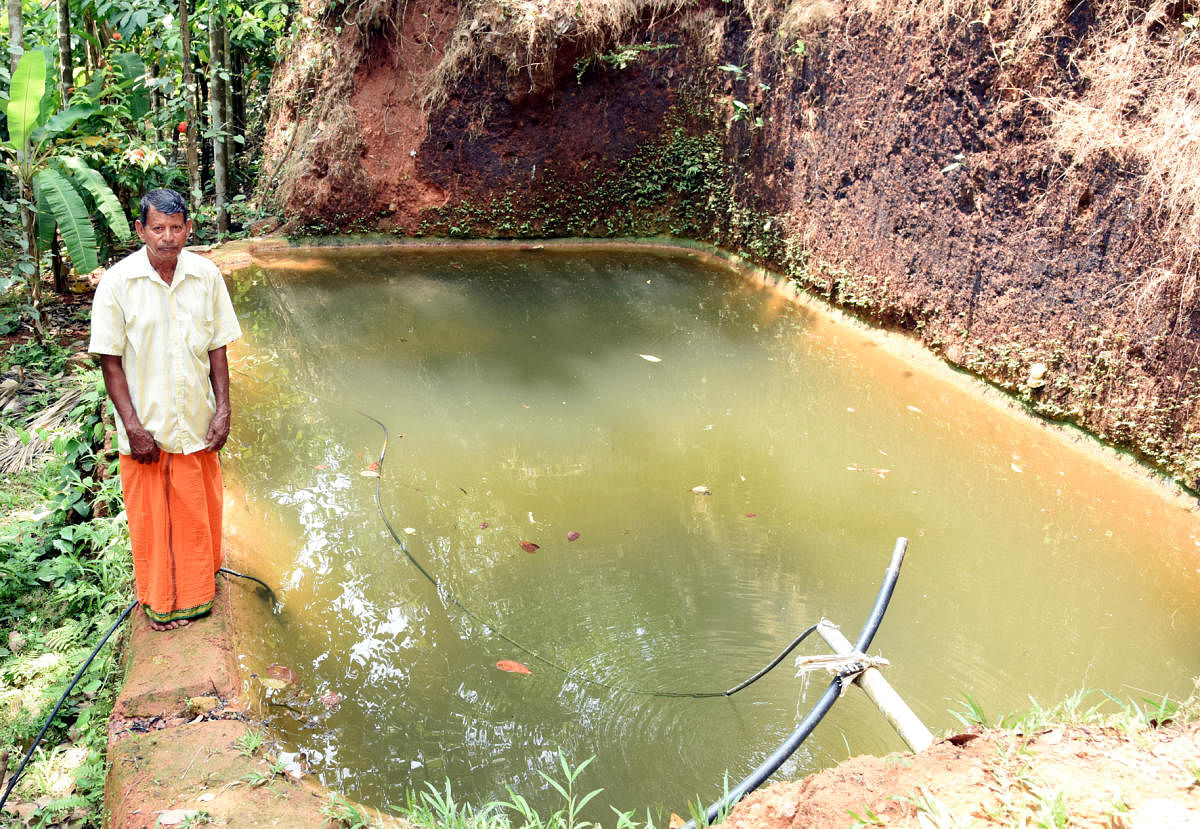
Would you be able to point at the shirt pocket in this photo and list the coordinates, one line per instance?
(198, 332)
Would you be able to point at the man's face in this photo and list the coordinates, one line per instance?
(164, 234)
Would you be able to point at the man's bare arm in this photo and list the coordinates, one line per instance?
(141, 443)
(218, 375)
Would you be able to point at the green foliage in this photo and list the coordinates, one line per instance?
(65, 577)
(48, 358)
(54, 182)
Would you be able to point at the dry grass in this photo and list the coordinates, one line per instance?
(524, 35)
(1140, 105)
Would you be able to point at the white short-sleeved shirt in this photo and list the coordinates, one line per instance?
(163, 334)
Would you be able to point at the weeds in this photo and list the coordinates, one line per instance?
(65, 576)
(250, 742)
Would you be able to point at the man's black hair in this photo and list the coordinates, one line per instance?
(167, 202)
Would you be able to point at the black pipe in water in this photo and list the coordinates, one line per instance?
(831, 695)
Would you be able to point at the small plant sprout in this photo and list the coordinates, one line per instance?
(573, 803)
(345, 813)
(867, 818)
(250, 742)
(972, 713)
(737, 71)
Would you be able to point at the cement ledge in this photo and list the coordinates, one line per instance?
(173, 739)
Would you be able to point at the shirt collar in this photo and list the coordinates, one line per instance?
(146, 270)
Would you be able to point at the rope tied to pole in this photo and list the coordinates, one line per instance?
(846, 666)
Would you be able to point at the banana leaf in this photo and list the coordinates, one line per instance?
(25, 98)
(55, 190)
(60, 122)
(106, 201)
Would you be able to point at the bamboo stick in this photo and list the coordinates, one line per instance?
(894, 709)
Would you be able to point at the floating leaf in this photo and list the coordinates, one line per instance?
(752, 515)
(701, 490)
(650, 358)
(572, 535)
(529, 547)
(374, 467)
(282, 672)
(369, 473)
(410, 530)
(512, 667)
(330, 698)
(483, 525)
(322, 467)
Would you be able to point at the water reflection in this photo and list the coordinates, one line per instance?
(521, 408)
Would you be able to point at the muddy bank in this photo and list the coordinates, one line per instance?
(909, 169)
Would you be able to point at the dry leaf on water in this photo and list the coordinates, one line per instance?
(282, 673)
(529, 547)
(512, 667)
(572, 536)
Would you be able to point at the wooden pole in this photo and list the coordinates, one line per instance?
(894, 709)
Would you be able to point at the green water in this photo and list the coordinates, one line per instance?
(522, 406)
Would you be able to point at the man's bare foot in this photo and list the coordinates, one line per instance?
(161, 626)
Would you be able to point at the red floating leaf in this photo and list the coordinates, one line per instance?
(322, 467)
(512, 667)
(752, 515)
(483, 525)
(529, 547)
(374, 467)
(330, 699)
(571, 536)
(282, 673)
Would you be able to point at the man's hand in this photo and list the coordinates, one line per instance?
(218, 431)
(142, 447)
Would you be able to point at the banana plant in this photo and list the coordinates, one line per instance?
(52, 181)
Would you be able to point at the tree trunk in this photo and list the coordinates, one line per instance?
(58, 267)
(227, 116)
(189, 85)
(216, 108)
(91, 43)
(31, 264)
(66, 66)
(16, 34)
(238, 88)
(156, 103)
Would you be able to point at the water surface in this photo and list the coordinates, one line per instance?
(533, 394)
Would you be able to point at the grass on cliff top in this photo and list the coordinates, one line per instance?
(1130, 93)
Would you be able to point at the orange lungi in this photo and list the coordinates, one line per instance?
(174, 511)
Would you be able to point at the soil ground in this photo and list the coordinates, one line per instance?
(1084, 776)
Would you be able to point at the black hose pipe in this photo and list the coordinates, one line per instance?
(831, 695)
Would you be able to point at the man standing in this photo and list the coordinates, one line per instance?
(161, 320)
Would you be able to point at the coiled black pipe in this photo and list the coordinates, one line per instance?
(788, 747)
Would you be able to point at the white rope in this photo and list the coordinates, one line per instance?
(848, 666)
